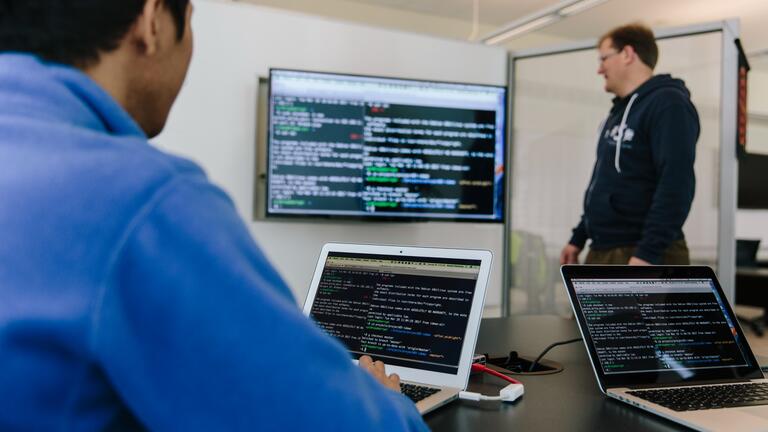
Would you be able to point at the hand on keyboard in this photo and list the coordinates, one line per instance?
(376, 369)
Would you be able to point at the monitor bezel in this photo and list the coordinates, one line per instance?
(640, 379)
(372, 217)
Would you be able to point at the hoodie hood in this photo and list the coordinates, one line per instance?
(655, 83)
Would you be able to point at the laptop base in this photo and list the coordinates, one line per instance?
(753, 418)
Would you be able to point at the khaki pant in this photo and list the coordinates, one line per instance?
(676, 254)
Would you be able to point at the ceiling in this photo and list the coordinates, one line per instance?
(668, 13)
(453, 18)
(492, 11)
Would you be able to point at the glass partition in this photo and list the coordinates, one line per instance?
(558, 106)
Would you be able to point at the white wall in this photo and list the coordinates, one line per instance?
(374, 14)
(757, 106)
(437, 23)
(213, 121)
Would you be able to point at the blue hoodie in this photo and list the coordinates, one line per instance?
(640, 194)
(131, 294)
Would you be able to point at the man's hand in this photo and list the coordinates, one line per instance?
(376, 369)
(638, 262)
(570, 254)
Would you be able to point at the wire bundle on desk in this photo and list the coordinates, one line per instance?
(546, 350)
(509, 393)
(477, 367)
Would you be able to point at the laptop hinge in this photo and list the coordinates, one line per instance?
(688, 383)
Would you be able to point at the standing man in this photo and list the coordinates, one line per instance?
(132, 296)
(643, 182)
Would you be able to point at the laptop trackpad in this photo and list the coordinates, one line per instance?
(759, 411)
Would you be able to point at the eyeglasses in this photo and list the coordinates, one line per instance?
(601, 59)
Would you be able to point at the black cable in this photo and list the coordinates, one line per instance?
(546, 350)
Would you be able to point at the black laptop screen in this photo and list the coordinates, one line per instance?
(656, 325)
(652, 325)
(406, 311)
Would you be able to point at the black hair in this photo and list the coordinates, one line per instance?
(73, 32)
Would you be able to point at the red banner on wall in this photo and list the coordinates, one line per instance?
(741, 119)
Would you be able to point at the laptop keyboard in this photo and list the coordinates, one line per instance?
(417, 392)
(709, 397)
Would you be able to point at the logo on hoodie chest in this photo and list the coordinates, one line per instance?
(613, 134)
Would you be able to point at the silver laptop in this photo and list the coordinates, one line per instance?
(665, 339)
(416, 309)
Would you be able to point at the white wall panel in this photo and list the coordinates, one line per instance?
(214, 119)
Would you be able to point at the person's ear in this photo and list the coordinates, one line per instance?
(147, 27)
(629, 54)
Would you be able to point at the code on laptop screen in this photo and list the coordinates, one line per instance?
(654, 325)
(406, 311)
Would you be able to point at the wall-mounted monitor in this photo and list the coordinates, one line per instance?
(384, 149)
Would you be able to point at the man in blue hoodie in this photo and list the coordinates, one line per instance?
(131, 294)
(643, 182)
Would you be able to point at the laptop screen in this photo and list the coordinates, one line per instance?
(405, 310)
(657, 325)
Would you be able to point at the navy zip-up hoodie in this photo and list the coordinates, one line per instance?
(641, 192)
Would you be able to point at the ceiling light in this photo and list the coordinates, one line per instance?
(579, 7)
(539, 19)
(522, 28)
